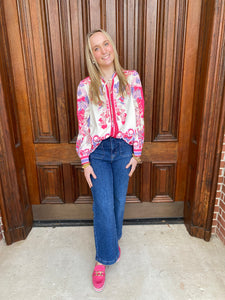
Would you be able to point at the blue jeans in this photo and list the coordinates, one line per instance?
(109, 191)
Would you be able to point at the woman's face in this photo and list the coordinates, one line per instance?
(102, 50)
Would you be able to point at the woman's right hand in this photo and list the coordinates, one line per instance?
(88, 171)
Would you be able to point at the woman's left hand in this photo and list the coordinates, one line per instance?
(133, 164)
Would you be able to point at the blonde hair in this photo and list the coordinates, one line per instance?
(95, 71)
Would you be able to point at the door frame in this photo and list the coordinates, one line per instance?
(206, 148)
(15, 207)
(207, 137)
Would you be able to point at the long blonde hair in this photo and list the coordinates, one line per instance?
(95, 71)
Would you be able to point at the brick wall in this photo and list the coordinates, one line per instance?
(1, 228)
(219, 210)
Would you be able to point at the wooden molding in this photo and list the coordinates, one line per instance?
(14, 197)
(207, 122)
(169, 69)
(132, 211)
(44, 123)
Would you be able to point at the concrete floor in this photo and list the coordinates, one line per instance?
(157, 262)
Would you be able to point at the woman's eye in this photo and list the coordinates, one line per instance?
(106, 44)
(96, 49)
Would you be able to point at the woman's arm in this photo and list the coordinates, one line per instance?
(83, 144)
(138, 98)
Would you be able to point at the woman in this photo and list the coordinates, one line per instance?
(110, 110)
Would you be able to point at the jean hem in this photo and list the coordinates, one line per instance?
(107, 263)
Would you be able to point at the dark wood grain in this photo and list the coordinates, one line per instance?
(51, 183)
(15, 198)
(187, 96)
(208, 121)
(66, 153)
(170, 38)
(38, 73)
(163, 182)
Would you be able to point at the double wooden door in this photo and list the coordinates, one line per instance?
(160, 40)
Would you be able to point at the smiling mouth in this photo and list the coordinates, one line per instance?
(106, 57)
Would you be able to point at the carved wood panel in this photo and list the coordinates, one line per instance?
(170, 39)
(38, 73)
(65, 183)
(51, 183)
(81, 191)
(163, 182)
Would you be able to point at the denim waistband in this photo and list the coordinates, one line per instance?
(111, 149)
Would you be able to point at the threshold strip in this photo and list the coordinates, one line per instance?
(64, 223)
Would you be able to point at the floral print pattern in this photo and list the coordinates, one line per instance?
(117, 116)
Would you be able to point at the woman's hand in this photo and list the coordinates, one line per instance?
(133, 164)
(88, 171)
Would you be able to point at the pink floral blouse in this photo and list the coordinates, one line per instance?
(117, 116)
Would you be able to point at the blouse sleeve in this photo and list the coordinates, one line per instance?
(138, 98)
(83, 144)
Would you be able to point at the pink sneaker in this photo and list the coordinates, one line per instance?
(98, 277)
(119, 255)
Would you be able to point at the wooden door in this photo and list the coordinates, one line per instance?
(15, 206)
(157, 38)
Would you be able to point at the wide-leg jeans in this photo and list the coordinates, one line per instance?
(109, 191)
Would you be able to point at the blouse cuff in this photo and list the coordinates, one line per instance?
(137, 152)
(84, 160)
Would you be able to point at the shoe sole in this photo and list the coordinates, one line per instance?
(99, 290)
(119, 257)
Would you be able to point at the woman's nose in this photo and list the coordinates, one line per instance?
(103, 50)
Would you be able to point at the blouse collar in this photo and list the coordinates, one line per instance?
(113, 75)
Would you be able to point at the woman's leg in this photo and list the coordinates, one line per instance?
(120, 182)
(105, 230)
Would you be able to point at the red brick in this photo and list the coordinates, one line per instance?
(221, 221)
(215, 213)
(216, 209)
(221, 234)
(213, 231)
(222, 213)
(222, 196)
(217, 201)
(217, 195)
(221, 172)
(219, 186)
(219, 227)
(223, 188)
(1, 227)
(214, 223)
(222, 205)
(220, 179)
